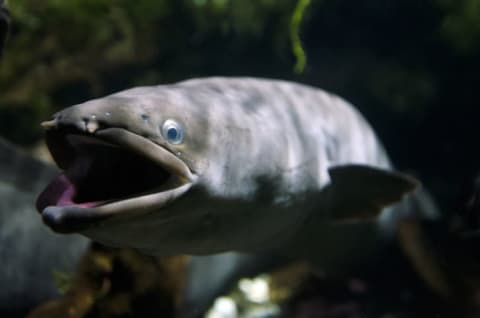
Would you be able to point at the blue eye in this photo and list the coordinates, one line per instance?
(172, 132)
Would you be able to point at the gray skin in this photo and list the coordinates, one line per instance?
(252, 168)
(265, 167)
(29, 252)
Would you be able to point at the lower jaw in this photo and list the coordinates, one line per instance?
(68, 218)
(61, 192)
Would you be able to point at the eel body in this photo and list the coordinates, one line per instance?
(215, 165)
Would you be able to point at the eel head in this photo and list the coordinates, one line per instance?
(108, 171)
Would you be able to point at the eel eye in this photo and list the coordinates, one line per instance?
(172, 132)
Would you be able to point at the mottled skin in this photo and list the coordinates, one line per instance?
(255, 166)
(257, 149)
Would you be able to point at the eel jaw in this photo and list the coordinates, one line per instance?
(111, 173)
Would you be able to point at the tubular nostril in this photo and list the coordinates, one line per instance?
(50, 124)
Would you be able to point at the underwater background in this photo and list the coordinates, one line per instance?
(410, 66)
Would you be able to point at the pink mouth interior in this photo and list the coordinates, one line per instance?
(96, 173)
(61, 192)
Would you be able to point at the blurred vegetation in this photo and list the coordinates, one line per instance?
(297, 48)
(461, 24)
(409, 65)
(61, 52)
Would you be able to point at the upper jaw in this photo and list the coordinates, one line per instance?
(62, 206)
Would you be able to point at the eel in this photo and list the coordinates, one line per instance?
(215, 165)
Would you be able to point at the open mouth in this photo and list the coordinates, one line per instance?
(108, 173)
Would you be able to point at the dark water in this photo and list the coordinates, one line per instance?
(409, 66)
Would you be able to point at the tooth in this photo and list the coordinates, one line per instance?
(92, 126)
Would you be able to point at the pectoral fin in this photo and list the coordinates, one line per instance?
(361, 192)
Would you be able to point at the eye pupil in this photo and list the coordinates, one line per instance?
(172, 133)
